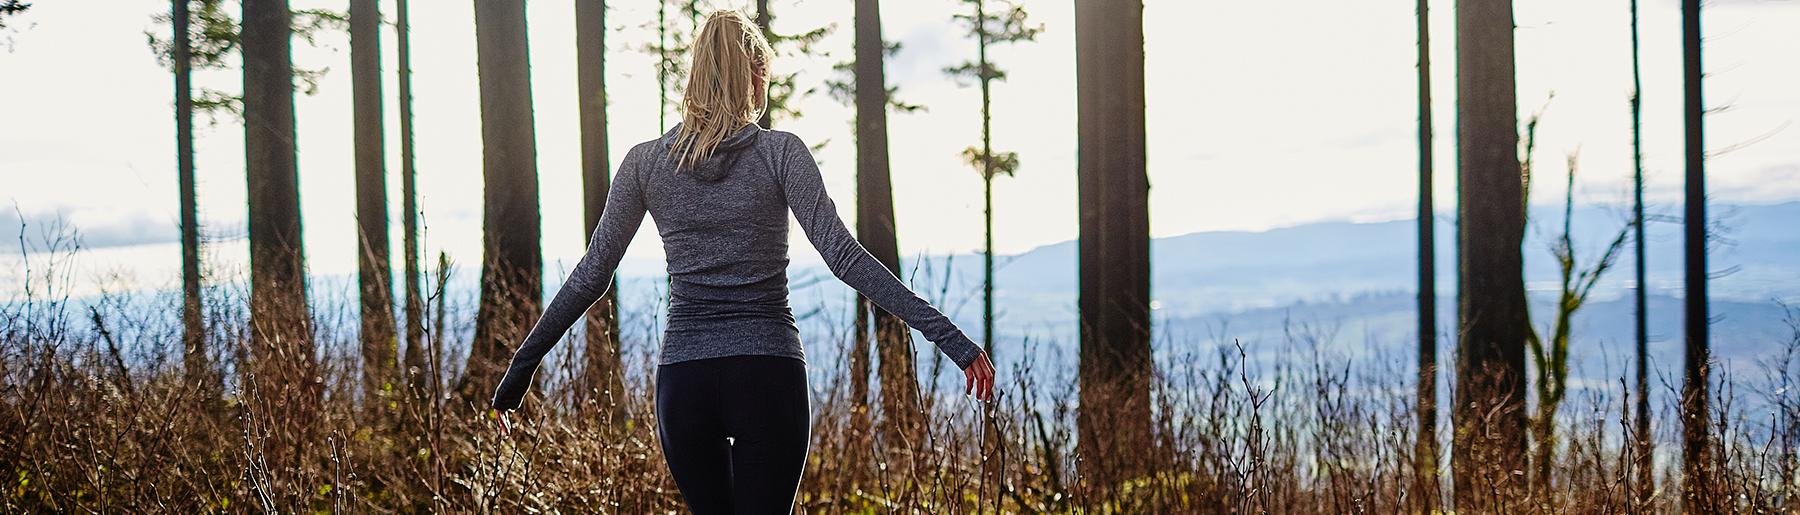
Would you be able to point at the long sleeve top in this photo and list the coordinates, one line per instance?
(724, 227)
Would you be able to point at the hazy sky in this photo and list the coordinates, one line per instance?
(1261, 114)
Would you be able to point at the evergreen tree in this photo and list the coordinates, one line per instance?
(1114, 244)
(417, 367)
(1643, 460)
(1489, 442)
(602, 381)
(1698, 495)
(784, 92)
(512, 259)
(285, 386)
(875, 228)
(1002, 23)
(374, 268)
(1425, 452)
(193, 330)
(11, 8)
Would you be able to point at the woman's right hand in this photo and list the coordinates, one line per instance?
(980, 376)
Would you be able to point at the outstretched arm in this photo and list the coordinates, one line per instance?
(804, 187)
(592, 276)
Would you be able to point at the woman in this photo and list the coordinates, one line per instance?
(731, 395)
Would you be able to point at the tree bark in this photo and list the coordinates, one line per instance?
(875, 225)
(990, 440)
(285, 388)
(1425, 453)
(197, 367)
(1696, 448)
(987, 179)
(1489, 443)
(664, 73)
(374, 269)
(1114, 242)
(764, 21)
(418, 370)
(1644, 462)
(602, 382)
(512, 261)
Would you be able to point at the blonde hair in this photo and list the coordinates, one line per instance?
(720, 96)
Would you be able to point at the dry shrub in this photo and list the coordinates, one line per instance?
(95, 415)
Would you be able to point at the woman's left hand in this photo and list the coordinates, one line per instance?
(505, 426)
(980, 378)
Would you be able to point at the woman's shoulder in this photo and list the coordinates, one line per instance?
(646, 148)
(782, 142)
(643, 154)
(782, 136)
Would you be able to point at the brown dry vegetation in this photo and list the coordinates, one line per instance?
(95, 416)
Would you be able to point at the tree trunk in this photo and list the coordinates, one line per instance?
(512, 262)
(1697, 493)
(1114, 242)
(374, 269)
(1490, 438)
(991, 438)
(875, 226)
(1425, 466)
(987, 179)
(663, 71)
(764, 21)
(859, 355)
(417, 369)
(285, 389)
(602, 383)
(1644, 462)
(197, 368)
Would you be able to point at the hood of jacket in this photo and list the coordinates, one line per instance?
(716, 166)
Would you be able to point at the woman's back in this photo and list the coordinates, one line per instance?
(724, 225)
(724, 228)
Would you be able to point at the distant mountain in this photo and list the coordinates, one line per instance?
(1211, 272)
(1358, 279)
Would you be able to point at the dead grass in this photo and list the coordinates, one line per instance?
(95, 416)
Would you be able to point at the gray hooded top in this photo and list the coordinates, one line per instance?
(724, 227)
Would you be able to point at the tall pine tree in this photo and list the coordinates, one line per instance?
(990, 25)
(512, 260)
(1114, 244)
(875, 226)
(374, 269)
(417, 367)
(602, 372)
(284, 383)
(1696, 446)
(784, 93)
(1642, 447)
(1425, 451)
(193, 330)
(1489, 442)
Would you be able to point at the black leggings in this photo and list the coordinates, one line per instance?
(734, 431)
